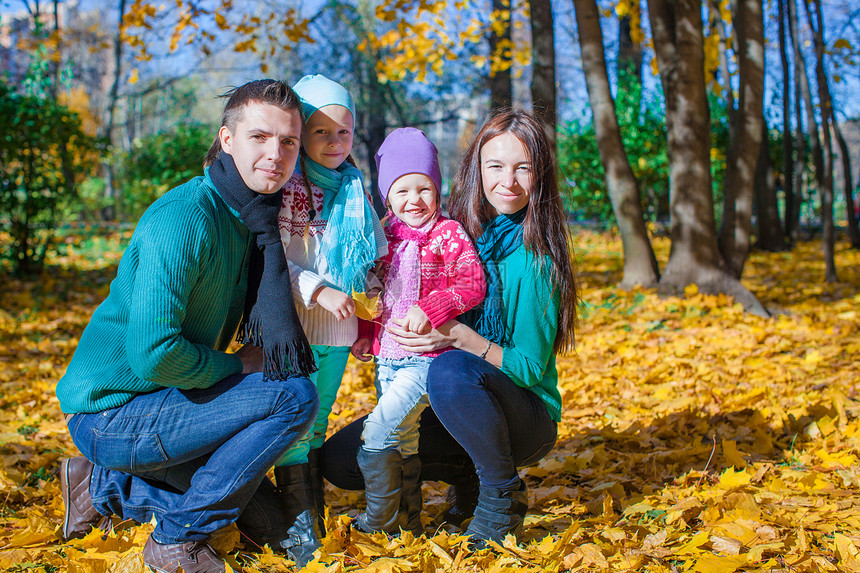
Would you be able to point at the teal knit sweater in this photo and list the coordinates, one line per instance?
(531, 306)
(173, 307)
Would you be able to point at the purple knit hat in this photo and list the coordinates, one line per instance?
(406, 150)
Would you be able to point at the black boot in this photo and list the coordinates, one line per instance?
(382, 486)
(462, 498)
(498, 513)
(411, 501)
(318, 490)
(294, 489)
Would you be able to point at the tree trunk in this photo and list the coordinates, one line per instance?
(825, 179)
(802, 82)
(718, 23)
(640, 264)
(629, 65)
(769, 227)
(501, 88)
(543, 65)
(736, 228)
(787, 142)
(800, 156)
(629, 52)
(848, 188)
(694, 258)
(112, 193)
(54, 65)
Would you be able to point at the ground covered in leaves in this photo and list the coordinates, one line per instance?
(695, 437)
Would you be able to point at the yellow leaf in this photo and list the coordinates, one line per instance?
(813, 357)
(706, 563)
(731, 478)
(366, 308)
(847, 552)
(726, 545)
(692, 546)
(733, 456)
(132, 78)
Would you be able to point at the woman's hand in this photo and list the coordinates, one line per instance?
(453, 333)
(435, 339)
(336, 302)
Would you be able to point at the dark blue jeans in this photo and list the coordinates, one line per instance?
(500, 425)
(478, 418)
(197, 459)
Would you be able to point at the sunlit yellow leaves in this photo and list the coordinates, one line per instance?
(221, 21)
(693, 437)
(631, 9)
(425, 37)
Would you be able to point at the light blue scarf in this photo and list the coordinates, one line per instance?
(353, 237)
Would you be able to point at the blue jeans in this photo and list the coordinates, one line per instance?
(401, 391)
(499, 424)
(197, 459)
(331, 361)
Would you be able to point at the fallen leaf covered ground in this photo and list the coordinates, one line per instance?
(694, 437)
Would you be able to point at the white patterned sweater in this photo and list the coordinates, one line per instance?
(301, 240)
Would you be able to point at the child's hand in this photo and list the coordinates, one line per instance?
(416, 321)
(361, 349)
(336, 302)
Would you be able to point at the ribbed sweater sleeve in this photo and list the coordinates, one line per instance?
(461, 271)
(531, 308)
(167, 272)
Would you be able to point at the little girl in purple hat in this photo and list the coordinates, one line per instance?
(431, 275)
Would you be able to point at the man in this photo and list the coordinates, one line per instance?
(168, 423)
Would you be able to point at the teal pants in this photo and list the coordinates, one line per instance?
(331, 361)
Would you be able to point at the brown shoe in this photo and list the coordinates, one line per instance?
(81, 516)
(192, 556)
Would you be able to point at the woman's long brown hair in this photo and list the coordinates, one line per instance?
(545, 230)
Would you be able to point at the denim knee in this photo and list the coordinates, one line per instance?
(299, 397)
(455, 368)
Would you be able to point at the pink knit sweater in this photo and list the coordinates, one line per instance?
(452, 278)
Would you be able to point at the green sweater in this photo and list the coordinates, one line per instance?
(173, 307)
(531, 306)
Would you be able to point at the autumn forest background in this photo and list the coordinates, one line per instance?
(712, 414)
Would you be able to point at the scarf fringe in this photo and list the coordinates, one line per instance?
(282, 360)
(491, 328)
(288, 359)
(353, 250)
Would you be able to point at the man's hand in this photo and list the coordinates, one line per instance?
(416, 321)
(361, 349)
(252, 359)
(336, 302)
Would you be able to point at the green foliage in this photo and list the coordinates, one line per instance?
(719, 151)
(643, 132)
(157, 163)
(43, 152)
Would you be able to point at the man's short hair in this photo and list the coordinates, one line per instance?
(273, 92)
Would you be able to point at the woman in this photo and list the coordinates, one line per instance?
(496, 394)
